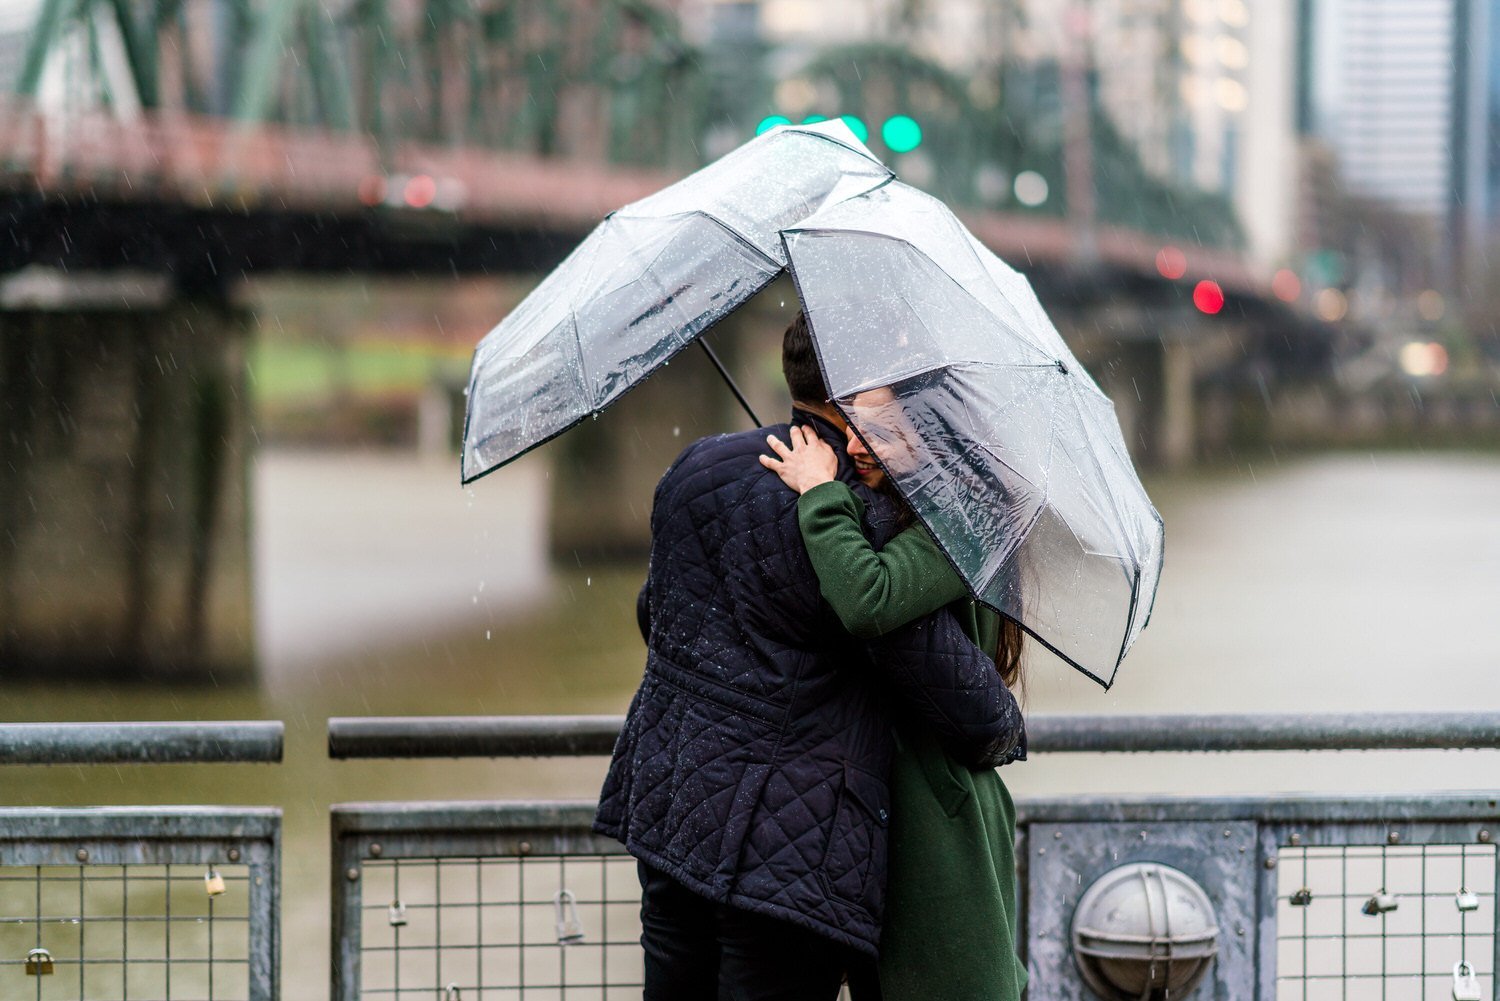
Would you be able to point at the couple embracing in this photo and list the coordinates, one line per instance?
(806, 775)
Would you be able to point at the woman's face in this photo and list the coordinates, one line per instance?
(884, 421)
(865, 466)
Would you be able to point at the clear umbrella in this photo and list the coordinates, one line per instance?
(648, 280)
(943, 360)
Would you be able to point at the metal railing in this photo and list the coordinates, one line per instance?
(141, 743)
(562, 921)
(157, 902)
(351, 737)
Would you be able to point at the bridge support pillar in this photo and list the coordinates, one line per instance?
(606, 471)
(1176, 435)
(1152, 381)
(124, 523)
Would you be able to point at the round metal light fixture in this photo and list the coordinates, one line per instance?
(1144, 931)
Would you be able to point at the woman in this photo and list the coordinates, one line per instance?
(950, 919)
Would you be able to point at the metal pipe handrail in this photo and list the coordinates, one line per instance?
(583, 736)
(215, 742)
(472, 736)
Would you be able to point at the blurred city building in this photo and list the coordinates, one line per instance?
(1405, 96)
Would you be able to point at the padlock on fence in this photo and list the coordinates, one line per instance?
(1465, 982)
(1381, 903)
(38, 963)
(569, 925)
(213, 883)
(397, 914)
(1302, 897)
(1467, 901)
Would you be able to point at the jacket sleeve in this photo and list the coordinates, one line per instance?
(941, 680)
(872, 592)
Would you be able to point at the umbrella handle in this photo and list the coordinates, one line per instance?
(703, 343)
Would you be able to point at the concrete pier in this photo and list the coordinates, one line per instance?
(124, 524)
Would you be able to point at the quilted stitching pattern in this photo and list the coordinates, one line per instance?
(752, 766)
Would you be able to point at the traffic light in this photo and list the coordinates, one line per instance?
(901, 134)
(857, 126)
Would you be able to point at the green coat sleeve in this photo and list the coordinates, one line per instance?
(872, 592)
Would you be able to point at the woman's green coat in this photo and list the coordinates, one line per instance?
(950, 915)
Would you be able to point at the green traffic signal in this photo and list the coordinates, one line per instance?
(860, 129)
(901, 134)
(770, 122)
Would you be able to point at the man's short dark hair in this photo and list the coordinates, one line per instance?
(799, 363)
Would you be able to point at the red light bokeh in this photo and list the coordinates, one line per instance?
(1171, 262)
(1208, 296)
(372, 190)
(1286, 285)
(420, 191)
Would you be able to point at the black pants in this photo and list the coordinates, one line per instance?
(697, 950)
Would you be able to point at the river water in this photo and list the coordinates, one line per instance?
(1322, 584)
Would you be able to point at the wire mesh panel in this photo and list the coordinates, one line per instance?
(130, 931)
(535, 927)
(171, 904)
(473, 901)
(1385, 921)
(458, 902)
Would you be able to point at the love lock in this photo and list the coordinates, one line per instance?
(213, 883)
(1467, 900)
(569, 925)
(1381, 903)
(1302, 897)
(38, 963)
(397, 914)
(1465, 983)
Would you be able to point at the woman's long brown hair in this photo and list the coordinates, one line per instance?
(1008, 654)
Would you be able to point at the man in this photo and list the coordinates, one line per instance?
(749, 779)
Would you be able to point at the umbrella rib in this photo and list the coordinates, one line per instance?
(1093, 454)
(735, 234)
(583, 367)
(866, 154)
(886, 380)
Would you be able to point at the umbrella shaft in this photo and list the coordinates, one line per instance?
(703, 343)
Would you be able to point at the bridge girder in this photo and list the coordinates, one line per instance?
(611, 81)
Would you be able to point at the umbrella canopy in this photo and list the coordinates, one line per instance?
(942, 358)
(648, 280)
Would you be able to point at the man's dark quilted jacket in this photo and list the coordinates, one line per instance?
(753, 763)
